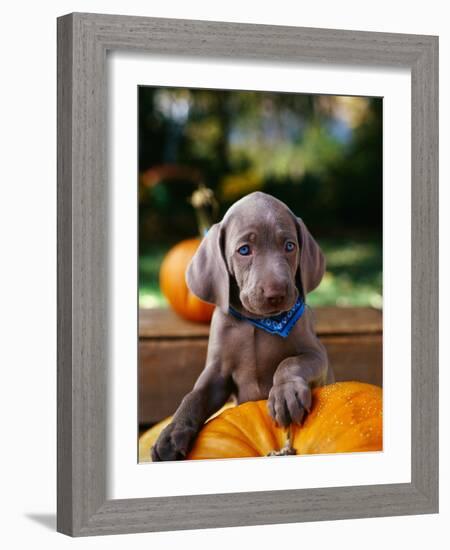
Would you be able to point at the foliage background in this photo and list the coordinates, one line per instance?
(320, 154)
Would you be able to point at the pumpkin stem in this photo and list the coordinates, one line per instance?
(206, 207)
(288, 449)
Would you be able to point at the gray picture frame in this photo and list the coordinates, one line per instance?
(83, 239)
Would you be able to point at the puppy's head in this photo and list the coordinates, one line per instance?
(257, 259)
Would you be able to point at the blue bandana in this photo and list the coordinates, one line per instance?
(281, 324)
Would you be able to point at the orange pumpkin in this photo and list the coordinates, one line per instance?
(345, 417)
(173, 284)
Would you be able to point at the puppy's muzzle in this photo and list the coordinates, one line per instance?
(274, 295)
(269, 297)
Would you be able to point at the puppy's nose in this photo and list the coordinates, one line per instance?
(275, 294)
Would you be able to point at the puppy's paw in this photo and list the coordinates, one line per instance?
(289, 402)
(173, 443)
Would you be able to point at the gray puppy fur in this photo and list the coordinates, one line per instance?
(243, 360)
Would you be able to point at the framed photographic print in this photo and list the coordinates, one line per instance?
(247, 274)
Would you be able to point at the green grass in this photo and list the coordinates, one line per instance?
(353, 276)
(149, 293)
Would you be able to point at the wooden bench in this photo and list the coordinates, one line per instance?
(172, 353)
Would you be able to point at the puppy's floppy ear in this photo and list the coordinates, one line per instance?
(207, 274)
(312, 260)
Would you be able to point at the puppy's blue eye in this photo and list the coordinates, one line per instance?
(289, 246)
(244, 250)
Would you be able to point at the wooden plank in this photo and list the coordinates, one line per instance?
(167, 372)
(172, 353)
(356, 358)
(348, 320)
(164, 323)
(168, 368)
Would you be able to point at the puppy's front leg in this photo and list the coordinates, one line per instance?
(210, 392)
(290, 396)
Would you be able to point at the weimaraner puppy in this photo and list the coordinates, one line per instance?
(257, 265)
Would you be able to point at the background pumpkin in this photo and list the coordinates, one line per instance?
(173, 267)
(345, 417)
(173, 284)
